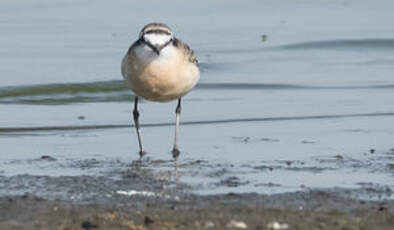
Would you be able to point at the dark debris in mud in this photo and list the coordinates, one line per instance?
(247, 139)
(119, 174)
(90, 188)
(232, 181)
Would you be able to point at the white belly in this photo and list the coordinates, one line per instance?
(164, 78)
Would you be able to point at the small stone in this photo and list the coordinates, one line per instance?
(48, 158)
(277, 226)
(264, 38)
(209, 224)
(236, 224)
(307, 142)
(339, 156)
(148, 220)
(269, 139)
(382, 207)
(88, 225)
(246, 140)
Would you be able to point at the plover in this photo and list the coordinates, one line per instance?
(159, 67)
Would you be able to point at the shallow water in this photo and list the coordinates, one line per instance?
(311, 107)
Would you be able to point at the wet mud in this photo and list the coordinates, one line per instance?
(302, 210)
(138, 196)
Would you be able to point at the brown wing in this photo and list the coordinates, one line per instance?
(187, 50)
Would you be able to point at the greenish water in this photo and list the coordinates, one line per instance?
(66, 93)
(117, 91)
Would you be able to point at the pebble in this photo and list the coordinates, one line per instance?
(209, 224)
(277, 226)
(236, 224)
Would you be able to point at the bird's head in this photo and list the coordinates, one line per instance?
(156, 36)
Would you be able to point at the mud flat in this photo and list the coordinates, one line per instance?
(312, 210)
(148, 200)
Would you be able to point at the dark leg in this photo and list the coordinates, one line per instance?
(175, 150)
(136, 115)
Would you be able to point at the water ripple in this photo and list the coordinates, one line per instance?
(116, 91)
(344, 44)
(8, 130)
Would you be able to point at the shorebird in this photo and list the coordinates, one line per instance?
(159, 67)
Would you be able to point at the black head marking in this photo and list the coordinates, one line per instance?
(157, 31)
(157, 49)
(155, 27)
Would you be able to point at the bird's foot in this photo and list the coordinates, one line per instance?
(142, 153)
(175, 152)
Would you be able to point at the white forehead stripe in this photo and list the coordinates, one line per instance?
(157, 39)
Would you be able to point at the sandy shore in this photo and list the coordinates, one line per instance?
(144, 200)
(312, 210)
